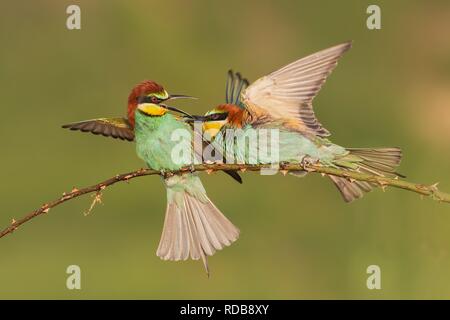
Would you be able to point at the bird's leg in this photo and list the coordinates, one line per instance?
(282, 167)
(307, 161)
(283, 164)
(165, 174)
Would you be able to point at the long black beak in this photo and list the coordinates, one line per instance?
(179, 96)
(194, 118)
(176, 110)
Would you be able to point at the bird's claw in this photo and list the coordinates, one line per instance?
(308, 161)
(283, 164)
(165, 174)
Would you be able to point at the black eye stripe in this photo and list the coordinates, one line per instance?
(148, 99)
(217, 116)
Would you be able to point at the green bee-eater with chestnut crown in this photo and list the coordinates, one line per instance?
(282, 100)
(123, 127)
(193, 225)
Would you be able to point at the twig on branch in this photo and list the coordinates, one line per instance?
(424, 190)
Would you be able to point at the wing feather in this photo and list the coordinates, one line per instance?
(235, 85)
(199, 156)
(108, 127)
(288, 92)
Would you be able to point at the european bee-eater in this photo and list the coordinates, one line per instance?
(123, 127)
(283, 100)
(193, 225)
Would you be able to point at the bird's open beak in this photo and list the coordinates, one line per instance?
(179, 96)
(193, 118)
(159, 109)
(176, 110)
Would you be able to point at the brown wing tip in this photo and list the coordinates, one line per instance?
(345, 46)
(341, 48)
(84, 128)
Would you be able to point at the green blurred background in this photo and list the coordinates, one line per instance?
(299, 239)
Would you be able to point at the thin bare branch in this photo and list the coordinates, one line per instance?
(431, 191)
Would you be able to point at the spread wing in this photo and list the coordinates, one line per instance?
(108, 127)
(287, 93)
(235, 85)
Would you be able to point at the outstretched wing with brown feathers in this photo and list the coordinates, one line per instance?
(287, 93)
(117, 128)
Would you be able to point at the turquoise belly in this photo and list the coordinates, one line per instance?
(156, 143)
(269, 145)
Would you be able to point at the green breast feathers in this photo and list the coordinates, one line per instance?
(163, 142)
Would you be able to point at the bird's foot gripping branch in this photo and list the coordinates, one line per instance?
(431, 191)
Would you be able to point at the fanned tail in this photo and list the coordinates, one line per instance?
(193, 225)
(381, 162)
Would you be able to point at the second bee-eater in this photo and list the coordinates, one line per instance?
(282, 100)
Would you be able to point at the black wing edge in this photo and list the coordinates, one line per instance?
(234, 86)
(100, 127)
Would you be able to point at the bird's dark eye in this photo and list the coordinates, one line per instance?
(218, 116)
(148, 99)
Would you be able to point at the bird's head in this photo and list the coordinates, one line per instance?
(221, 115)
(149, 97)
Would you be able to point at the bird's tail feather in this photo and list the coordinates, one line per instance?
(193, 225)
(382, 162)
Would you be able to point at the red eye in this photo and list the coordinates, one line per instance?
(154, 99)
